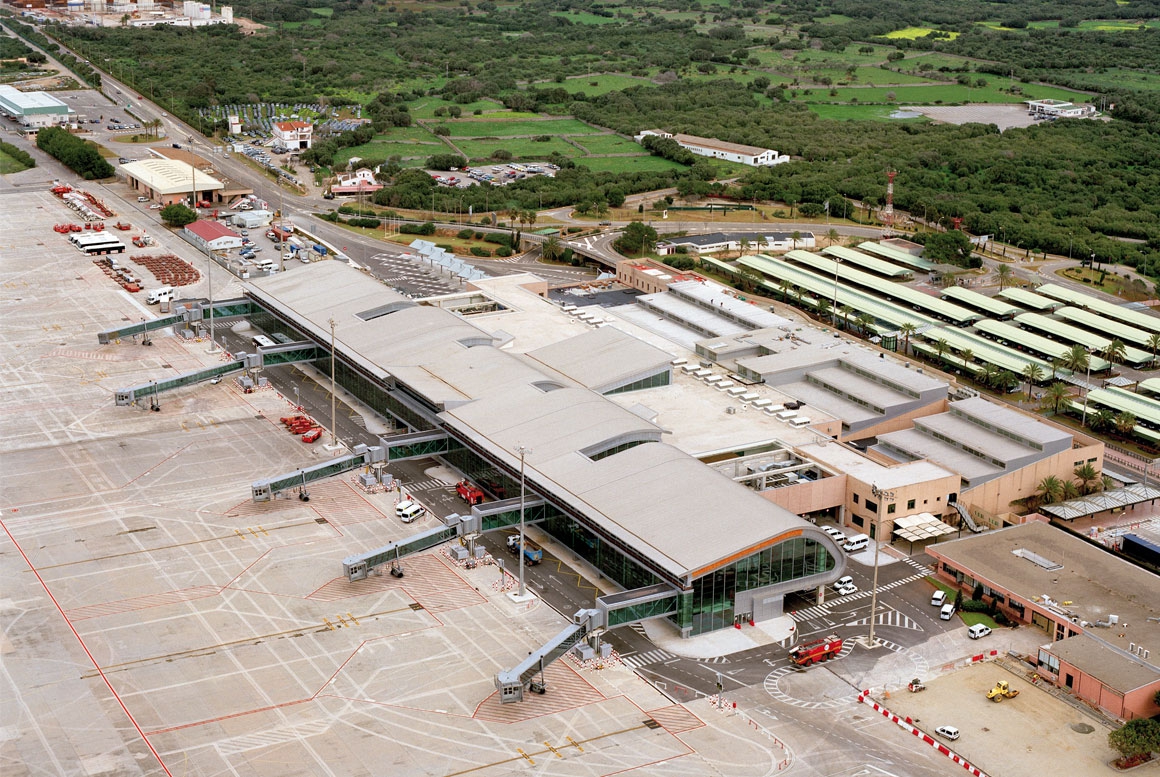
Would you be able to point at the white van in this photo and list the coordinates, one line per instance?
(265, 265)
(947, 611)
(939, 598)
(408, 510)
(856, 543)
(163, 294)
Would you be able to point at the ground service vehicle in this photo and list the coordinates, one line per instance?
(978, 631)
(915, 685)
(408, 510)
(1001, 691)
(469, 492)
(312, 435)
(533, 553)
(948, 732)
(819, 650)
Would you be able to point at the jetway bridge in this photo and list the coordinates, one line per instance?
(621, 609)
(290, 353)
(182, 314)
(415, 445)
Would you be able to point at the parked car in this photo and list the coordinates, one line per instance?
(846, 590)
(978, 631)
(844, 581)
(939, 598)
(947, 732)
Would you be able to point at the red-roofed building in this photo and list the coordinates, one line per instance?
(294, 135)
(212, 236)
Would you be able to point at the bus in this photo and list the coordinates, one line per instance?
(261, 341)
(100, 249)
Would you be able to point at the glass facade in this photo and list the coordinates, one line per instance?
(608, 560)
(710, 604)
(662, 378)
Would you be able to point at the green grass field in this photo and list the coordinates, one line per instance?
(425, 107)
(942, 94)
(381, 150)
(911, 33)
(582, 17)
(9, 165)
(500, 128)
(850, 56)
(322, 11)
(610, 144)
(627, 164)
(521, 148)
(866, 76)
(932, 61)
(1128, 79)
(595, 84)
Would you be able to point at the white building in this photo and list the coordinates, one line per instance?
(1058, 109)
(33, 109)
(720, 149)
(294, 135)
(731, 241)
(212, 236)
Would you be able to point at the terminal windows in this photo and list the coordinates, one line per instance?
(909, 504)
(855, 499)
(890, 508)
(871, 506)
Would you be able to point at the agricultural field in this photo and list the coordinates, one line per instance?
(385, 150)
(520, 148)
(930, 61)
(941, 94)
(599, 145)
(502, 128)
(1121, 78)
(912, 33)
(627, 164)
(596, 84)
(583, 17)
(426, 107)
(868, 76)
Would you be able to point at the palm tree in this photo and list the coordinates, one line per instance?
(990, 375)
(845, 310)
(907, 329)
(1125, 422)
(1076, 359)
(1034, 373)
(1050, 489)
(832, 236)
(864, 321)
(1056, 363)
(796, 236)
(784, 285)
(968, 356)
(511, 213)
(941, 346)
(824, 306)
(1055, 394)
(744, 245)
(1089, 478)
(1069, 491)
(1154, 344)
(1115, 351)
(1004, 273)
(552, 249)
(1102, 420)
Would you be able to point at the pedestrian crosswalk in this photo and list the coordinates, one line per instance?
(430, 484)
(822, 610)
(888, 618)
(638, 660)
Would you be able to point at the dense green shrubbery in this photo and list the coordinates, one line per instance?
(19, 154)
(78, 155)
(417, 229)
(480, 251)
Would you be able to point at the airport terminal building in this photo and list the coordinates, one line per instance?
(600, 476)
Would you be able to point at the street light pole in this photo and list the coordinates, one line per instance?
(333, 415)
(884, 496)
(522, 451)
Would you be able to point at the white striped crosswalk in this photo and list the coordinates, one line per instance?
(425, 485)
(822, 610)
(644, 659)
(888, 618)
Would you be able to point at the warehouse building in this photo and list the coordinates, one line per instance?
(169, 181)
(33, 109)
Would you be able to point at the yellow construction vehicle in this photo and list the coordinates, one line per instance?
(1001, 691)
